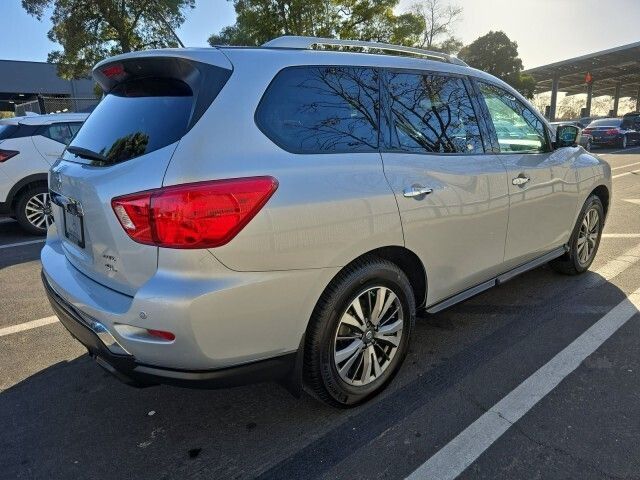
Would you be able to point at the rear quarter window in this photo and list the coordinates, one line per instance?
(136, 118)
(322, 109)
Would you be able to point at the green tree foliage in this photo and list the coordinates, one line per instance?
(261, 20)
(496, 54)
(91, 30)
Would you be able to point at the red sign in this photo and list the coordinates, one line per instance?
(588, 78)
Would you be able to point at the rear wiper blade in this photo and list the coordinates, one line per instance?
(86, 153)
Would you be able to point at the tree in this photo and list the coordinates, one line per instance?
(91, 30)
(437, 20)
(258, 21)
(496, 54)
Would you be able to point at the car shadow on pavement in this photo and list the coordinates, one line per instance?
(73, 420)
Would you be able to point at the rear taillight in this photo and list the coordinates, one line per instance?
(193, 215)
(587, 131)
(7, 154)
(612, 131)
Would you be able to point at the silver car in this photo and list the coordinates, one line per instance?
(233, 215)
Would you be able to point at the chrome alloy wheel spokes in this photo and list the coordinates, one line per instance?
(368, 336)
(38, 211)
(588, 235)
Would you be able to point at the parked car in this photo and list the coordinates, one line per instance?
(615, 132)
(634, 118)
(229, 215)
(28, 147)
(584, 139)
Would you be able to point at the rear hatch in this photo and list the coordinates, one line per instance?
(125, 146)
(602, 130)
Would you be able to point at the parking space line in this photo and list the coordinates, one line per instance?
(621, 235)
(19, 244)
(463, 450)
(41, 322)
(625, 166)
(626, 173)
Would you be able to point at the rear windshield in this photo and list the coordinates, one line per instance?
(7, 130)
(606, 122)
(136, 118)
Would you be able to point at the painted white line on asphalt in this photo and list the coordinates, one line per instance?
(625, 173)
(21, 327)
(621, 235)
(615, 267)
(463, 450)
(626, 166)
(19, 244)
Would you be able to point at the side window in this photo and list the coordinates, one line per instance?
(517, 128)
(59, 132)
(74, 128)
(322, 110)
(431, 113)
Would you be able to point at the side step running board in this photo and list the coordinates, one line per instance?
(473, 291)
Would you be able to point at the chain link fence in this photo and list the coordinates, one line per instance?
(44, 105)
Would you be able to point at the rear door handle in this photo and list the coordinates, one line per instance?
(416, 191)
(520, 180)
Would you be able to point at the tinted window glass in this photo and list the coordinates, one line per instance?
(6, 131)
(322, 110)
(517, 128)
(136, 118)
(59, 132)
(431, 113)
(74, 127)
(606, 122)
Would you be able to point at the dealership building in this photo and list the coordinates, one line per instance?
(36, 87)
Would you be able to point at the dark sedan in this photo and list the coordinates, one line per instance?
(615, 132)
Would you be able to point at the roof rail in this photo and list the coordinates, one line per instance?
(308, 43)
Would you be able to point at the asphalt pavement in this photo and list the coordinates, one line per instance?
(450, 410)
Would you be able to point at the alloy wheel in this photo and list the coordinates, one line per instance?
(368, 336)
(38, 211)
(588, 236)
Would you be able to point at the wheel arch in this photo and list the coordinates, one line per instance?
(22, 185)
(602, 192)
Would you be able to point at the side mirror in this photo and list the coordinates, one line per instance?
(567, 136)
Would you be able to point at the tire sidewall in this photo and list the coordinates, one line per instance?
(589, 204)
(394, 279)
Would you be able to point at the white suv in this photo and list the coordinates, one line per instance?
(28, 147)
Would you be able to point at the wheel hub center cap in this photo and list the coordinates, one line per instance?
(368, 336)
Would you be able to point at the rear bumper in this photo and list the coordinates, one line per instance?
(127, 369)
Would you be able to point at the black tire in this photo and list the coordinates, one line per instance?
(20, 211)
(321, 375)
(624, 142)
(570, 263)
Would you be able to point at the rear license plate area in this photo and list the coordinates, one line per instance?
(74, 227)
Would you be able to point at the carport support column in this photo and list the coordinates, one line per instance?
(587, 110)
(616, 100)
(555, 85)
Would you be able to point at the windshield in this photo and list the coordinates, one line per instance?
(136, 118)
(606, 122)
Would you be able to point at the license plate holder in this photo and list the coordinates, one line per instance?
(74, 227)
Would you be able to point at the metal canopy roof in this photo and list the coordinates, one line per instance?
(608, 67)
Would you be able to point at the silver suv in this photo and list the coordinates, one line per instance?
(230, 215)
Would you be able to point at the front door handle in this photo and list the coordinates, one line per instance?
(416, 191)
(520, 180)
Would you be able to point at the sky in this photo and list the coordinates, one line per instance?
(546, 30)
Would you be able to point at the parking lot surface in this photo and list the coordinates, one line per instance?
(61, 416)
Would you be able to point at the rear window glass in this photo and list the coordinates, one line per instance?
(322, 110)
(6, 131)
(606, 122)
(136, 118)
